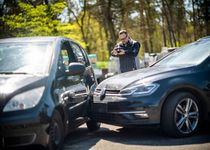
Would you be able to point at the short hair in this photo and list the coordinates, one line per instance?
(123, 32)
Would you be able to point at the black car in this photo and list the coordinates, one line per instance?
(173, 93)
(45, 88)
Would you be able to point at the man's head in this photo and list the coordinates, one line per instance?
(123, 36)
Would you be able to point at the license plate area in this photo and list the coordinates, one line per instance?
(100, 107)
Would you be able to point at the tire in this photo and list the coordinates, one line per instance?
(180, 115)
(56, 132)
(93, 125)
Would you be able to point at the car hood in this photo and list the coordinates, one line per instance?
(11, 85)
(120, 81)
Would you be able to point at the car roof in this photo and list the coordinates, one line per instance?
(204, 38)
(31, 39)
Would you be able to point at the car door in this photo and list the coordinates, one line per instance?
(70, 89)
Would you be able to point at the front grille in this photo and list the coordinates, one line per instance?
(16, 127)
(18, 140)
(113, 106)
(98, 90)
(12, 127)
(112, 92)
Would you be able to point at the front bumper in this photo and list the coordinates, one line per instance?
(23, 135)
(124, 111)
(23, 128)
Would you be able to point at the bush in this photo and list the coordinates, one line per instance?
(102, 64)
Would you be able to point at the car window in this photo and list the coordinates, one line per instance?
(65, 58)
(191, 54)
(25, 57)
(85, 56)
(79, 54)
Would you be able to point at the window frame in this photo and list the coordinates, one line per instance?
(82, 51)
(66, 44)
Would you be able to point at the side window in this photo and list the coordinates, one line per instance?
(79, 54)
(64, 59)
(85, 56)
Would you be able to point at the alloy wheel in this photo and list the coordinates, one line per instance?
(186, 115)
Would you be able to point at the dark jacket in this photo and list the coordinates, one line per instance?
(127, 61)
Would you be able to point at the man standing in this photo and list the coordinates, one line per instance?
(127, 51)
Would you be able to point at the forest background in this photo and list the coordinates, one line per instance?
(95, 23)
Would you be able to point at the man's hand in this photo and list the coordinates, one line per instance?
(121, 52)
(117, 52)
(114, 52)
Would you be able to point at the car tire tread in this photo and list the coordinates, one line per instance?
(93, 125)
(51, 145)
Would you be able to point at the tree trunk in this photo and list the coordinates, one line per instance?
(194, 20)
(164, 32)
(143, 28)
(207, 16)
(171, 22)
(108, 24)
(168, 22)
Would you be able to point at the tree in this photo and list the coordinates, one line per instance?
(96, 23)
(33, 21)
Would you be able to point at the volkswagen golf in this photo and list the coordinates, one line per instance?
(173, 93)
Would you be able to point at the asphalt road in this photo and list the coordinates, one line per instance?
(144, 138)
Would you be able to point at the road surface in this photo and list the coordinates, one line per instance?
(110, 137)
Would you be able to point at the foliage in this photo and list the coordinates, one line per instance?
(34, 21)
(95, 23)
(43, 20)
(102, 64)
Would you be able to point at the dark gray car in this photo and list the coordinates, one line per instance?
(173, 93)
(45, 88)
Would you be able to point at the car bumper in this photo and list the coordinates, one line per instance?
(125, 112)
(23, 128)
(23, 135)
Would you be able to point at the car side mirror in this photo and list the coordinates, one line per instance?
(75, 69)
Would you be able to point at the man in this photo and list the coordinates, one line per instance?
(127, 51)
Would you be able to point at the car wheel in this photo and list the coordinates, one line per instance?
(93, 125)
(56, 133)
(180, 115)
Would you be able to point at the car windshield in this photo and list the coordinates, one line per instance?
(25, 58)
(189, 55)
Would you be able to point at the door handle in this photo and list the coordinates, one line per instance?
(72, 94)
(68, 94)
(81, 95)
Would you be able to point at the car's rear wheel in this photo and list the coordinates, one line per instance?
(180, 115)
(93, 125)
(56, 133)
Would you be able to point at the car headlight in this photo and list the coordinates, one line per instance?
(25, 100)
(140, 90)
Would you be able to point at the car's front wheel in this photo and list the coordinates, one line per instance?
(56, 133)
(180, 114)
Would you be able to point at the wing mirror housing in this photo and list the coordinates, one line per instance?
(75, 69)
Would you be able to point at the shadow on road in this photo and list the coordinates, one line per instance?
(81, 139)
